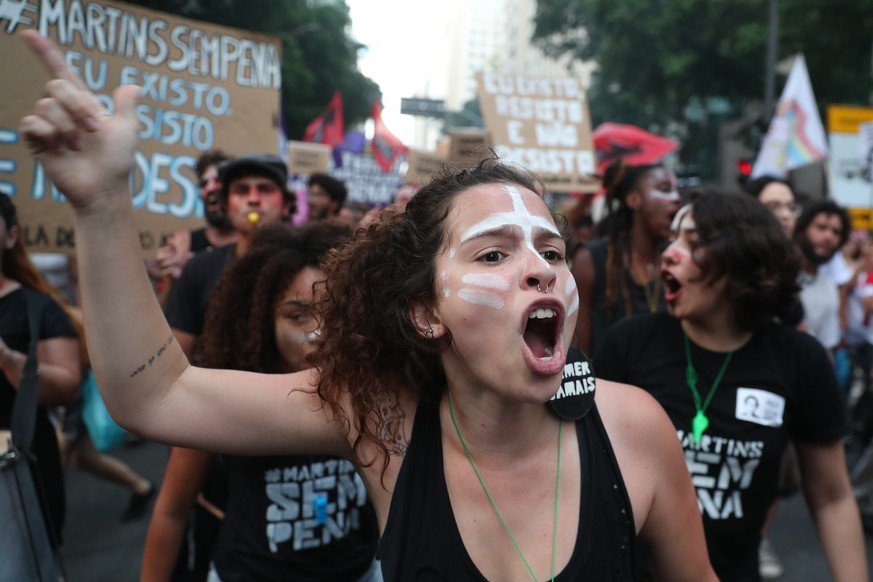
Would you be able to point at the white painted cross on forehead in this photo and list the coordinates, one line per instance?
(520, 216)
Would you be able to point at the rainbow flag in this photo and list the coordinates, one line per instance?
(796, 136)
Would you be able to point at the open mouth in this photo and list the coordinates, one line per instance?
(672, 287)
(541, 331)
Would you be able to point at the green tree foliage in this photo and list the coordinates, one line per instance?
(470, 115)
(318, 56)
(688, 63)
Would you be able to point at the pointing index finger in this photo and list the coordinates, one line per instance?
(51, 57)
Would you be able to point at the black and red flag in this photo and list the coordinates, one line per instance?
(328, 128)
(386, 146)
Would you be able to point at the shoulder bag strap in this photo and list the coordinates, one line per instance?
(24, 408)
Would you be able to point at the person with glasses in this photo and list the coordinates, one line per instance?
(778, 196)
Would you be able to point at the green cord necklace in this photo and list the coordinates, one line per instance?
(494, 505)
(701, 422)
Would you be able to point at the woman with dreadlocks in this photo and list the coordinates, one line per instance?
(617, 275)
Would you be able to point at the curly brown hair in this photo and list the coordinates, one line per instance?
(239, 332)
(370, 350)
(740, 239)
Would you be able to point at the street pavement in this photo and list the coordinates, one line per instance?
(99, 548)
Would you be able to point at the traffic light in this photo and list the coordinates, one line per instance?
(744, 171)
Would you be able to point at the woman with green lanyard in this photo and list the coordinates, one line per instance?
(617, 275)
(439, 372)
(739, 385)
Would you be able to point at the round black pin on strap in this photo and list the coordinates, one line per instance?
(575, 396)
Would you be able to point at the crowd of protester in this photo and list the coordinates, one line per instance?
(363, 397)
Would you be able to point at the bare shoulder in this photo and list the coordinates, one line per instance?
(644, 443)
(632, 416)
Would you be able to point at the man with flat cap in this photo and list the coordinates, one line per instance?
(254, 192)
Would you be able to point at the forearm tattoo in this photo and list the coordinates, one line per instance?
(154, 357)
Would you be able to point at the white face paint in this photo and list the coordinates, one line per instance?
(520, 216)
(478, 297)
(573, 293)
(672, 196)
(486, 280)
(683, 221)
(680, 216)
(478, 289)
(452, 253)
(444, 277)
(302, 337)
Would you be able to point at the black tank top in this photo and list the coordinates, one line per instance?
(421, 541)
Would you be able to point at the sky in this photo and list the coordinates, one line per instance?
(402, 37)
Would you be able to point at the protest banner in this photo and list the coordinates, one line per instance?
(203, 87)
(366, 181)
(467, 147)
(542, 124)
(421, 166)
(308, 158)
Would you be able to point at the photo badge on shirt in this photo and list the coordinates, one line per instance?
(760, 406)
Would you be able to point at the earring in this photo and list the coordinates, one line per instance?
(429, 332)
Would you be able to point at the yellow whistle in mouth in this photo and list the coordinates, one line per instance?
(254, 217)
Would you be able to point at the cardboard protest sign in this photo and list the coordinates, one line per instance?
(308, 158)
(542, 124)
(468, 147)
(422, 166)
(366, 181)
(203, 87)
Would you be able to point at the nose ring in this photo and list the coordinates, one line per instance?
(541, 290)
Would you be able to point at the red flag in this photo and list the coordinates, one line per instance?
(386, 146)
(328, 127)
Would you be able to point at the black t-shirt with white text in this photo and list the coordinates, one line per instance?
(780, 386)
(295, 517)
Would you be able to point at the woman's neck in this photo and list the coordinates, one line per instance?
(643, 247)
(716, 333)
(503, 430)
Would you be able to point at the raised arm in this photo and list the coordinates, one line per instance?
(146, 380)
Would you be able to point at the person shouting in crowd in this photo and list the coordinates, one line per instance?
(58, 359)
(739, 385)
(617, 275)
(261, 319)
(445, 332)
(218, 232)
